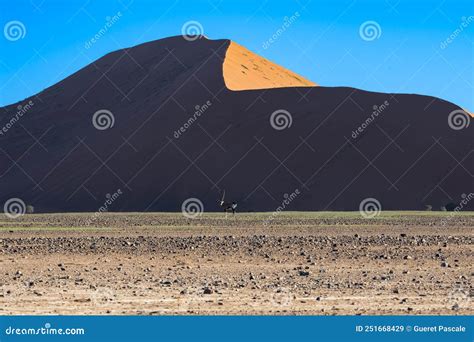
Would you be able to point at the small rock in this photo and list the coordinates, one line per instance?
(82, 300)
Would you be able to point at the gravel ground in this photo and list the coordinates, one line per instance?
(299, 263)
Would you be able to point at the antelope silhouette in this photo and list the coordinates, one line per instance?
(228, 206)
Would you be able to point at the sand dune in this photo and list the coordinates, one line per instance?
(333, 149)
(245, 70)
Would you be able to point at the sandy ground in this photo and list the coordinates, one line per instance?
(322, 264)
(245, 70)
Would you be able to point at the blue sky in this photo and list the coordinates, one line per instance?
(410, 53)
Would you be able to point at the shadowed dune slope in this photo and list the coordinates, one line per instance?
(178, 132)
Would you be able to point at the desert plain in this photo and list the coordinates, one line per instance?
(292, 263)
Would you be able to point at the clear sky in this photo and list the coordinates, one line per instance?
(323, 40)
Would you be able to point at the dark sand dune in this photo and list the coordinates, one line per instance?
(55, 159)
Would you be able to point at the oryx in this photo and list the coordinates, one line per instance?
(227, 206)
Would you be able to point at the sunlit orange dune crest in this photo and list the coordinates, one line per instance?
(245, 70)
